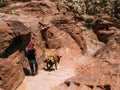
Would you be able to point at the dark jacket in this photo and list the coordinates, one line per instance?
(31, 54)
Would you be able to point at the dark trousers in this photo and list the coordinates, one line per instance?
(33, 66)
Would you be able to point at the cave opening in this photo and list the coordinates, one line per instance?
(13, 47)
(18, 43)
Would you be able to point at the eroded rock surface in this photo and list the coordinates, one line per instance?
(59, 25)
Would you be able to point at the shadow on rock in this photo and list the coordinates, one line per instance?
(26, 72)
(48, 69)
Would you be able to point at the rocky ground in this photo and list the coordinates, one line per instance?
(90, 51)
(50, 80)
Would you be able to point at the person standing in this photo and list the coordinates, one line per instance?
(30, 53)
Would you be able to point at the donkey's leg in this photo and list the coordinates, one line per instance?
(51, 64)
(56, 65)
(47, 65)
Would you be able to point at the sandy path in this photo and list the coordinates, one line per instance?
(46, 80)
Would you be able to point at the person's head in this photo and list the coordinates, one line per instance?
(30, 46)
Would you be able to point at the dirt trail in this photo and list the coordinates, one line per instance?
(46, 80)
(71, 60)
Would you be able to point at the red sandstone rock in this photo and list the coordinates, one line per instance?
(52, 26)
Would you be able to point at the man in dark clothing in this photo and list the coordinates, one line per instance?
(30, 51)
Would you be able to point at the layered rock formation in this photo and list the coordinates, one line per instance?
(58, 25)
(110, 52)
(102, 73)
(13, 37)
(48, 31)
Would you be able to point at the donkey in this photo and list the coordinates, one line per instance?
(52, 60)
